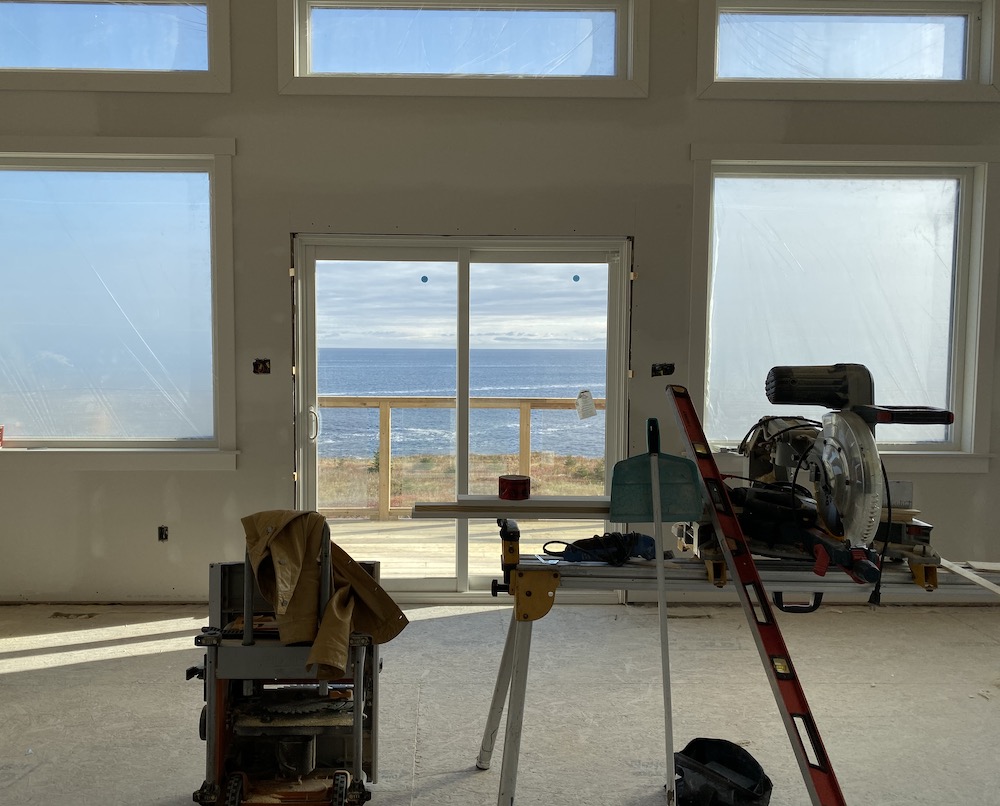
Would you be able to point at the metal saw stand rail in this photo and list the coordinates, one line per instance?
(817, 773)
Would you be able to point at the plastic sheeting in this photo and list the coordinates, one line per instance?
(846, 47)
(474, 41)
(103, 36)
(107, 287)
(823, 270)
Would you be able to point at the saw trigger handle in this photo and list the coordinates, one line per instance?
(905, 415)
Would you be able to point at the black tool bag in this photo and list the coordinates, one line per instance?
(714, 772)
(613, 548)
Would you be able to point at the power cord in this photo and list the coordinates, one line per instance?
(801, 422)
(876, 597)
(613, 548)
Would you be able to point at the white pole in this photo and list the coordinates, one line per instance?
(661, 602)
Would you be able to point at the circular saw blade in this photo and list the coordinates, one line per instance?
(853, 475)
(312, 706)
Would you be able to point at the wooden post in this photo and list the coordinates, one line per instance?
(384, 459)
(524, 439)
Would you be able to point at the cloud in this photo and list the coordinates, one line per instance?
(413, 303)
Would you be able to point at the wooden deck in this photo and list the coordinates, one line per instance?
(422, 549)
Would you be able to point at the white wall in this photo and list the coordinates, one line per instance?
(489, 166)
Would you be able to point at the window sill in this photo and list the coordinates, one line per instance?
(757, 90)
(465, 86)
(181, 81)
(906, 464)
(158, 459)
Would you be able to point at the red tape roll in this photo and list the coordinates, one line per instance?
(515, 488)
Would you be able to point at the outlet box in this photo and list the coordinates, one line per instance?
(161, 533)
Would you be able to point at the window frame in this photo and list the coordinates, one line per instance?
(216, 79)
(982, 83)
(976, 283)
(632, 40)
(214, 156)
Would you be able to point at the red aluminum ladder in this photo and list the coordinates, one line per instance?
(820, 781)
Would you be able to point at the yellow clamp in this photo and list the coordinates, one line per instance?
(534, 593)
(717, 572)
(924, 574)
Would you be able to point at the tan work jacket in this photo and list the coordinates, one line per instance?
(284, 550)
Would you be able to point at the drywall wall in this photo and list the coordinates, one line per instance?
(392, 165)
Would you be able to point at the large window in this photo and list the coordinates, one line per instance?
(878, 264)
(102, 45)
(814, 49)
(504, 47)
(114, 291)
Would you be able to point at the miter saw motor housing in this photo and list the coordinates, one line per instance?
(817, 486)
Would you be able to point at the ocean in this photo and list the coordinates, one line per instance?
(431, 373)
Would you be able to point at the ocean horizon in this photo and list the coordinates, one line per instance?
(409, 372)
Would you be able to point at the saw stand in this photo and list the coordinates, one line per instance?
(533, 582)
(534, 589)
(534, 593)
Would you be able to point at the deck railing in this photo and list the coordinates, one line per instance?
(385, 405)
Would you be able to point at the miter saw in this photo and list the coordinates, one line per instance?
(817, 487)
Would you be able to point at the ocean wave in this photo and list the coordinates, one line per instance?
(430, 373)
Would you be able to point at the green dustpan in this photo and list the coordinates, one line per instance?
(632, 485)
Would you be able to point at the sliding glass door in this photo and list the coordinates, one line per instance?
(427, 367)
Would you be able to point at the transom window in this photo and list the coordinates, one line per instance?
(823, 50)
(820, 265)
(842, 47)
(103, 36)
(511, 41)
(145, 45)
(503, 47)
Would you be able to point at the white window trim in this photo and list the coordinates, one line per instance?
(978, 287)
(982, 86)
(216, 155)
(215, 79)
(634, 82)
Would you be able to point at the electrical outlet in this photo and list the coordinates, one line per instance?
(161, 533)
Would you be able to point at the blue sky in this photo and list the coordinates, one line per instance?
(544, 42)
(463, 42)
(845, 46)
(75, 36)
(372, 40)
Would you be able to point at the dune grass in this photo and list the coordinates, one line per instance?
(353, 482)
